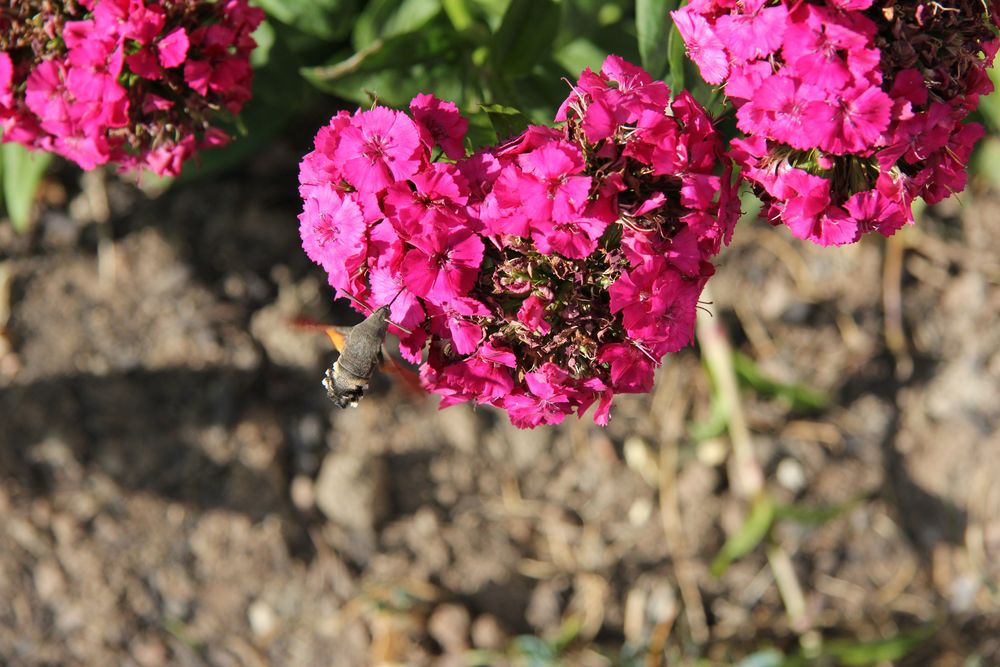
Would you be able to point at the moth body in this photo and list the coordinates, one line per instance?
(348, 378)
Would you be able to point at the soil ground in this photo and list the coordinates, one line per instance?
(176, 489)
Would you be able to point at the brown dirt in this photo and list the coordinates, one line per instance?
(176, 489)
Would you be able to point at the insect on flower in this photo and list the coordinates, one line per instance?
(362, 350)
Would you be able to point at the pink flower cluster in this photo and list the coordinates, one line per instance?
(544, 274)
(851, 107)
(142, 83)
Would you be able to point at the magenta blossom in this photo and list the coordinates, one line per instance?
(851, 108)
(378, 149)
(141, 83)
(440, 124)
(541, 276)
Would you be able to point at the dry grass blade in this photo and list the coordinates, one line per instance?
(671, 421)
(892, 305)
(95, 190)
(747, 477)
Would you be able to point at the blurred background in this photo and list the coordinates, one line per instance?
(813, 483)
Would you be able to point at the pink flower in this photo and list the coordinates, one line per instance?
(806, 212)
(753, 35)
(46, 97)
(440, 123)
(6, 78)
(442, 265)
(333, 234)
(631, 369)
(657, 305)
(839, 91)
(463, 330)
(794, 114)
(388, 286)
(546, 402)
(320, 166)
(173, 48)
(859, 120)
(532, 315)
(484, 377)
(703, 47)
(433, 198)
(543, 275)
(378, 148)
(101, 80)
(872, 211)
(198, 75)
(168, 157)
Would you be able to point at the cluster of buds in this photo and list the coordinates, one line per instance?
(141, 83)
(542, 275)
(851, 108)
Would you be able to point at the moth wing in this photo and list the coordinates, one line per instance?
(409, 377)
(337, 336)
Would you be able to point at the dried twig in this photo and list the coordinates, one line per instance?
(892, 306)
(671, 420)
(788, 587)
(94, 184)
(747, 477)
(746, 473)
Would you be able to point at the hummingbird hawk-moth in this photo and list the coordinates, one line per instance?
(362, 351)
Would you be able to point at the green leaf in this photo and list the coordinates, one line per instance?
(568, 632)
(481, 131)
(746, 539)
(677, 56)
(525, 37)
(800, 396)
(326, 19)
(537, 651)
(393, 70)
(458, 13)
(579, 54)
(815, 516)
(492, 11)
(436, 43)
(506, 121)
(989, 106)
(986, 159)
(383, 19)
(265, 37)
(715, 424)
(537, 94)
(876, 652)
(767, 658)
(412, 15)
(22, 171)
(652, 25)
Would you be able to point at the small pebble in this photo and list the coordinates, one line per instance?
(791, 475)
(262, 618)
(449, 626)
(303, 493)
(487, 633)
(640, 511)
